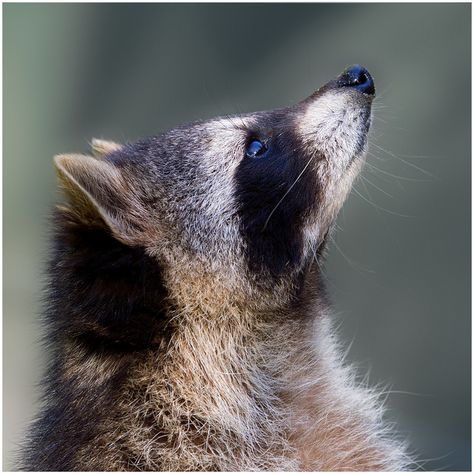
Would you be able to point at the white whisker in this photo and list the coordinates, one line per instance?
(287, 192)
(380, 207)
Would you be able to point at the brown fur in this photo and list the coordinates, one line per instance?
(187, 311)
(235, 390)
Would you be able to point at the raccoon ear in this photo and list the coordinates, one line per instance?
(100, 147)
(98, 194)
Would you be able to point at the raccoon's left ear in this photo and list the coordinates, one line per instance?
(98, 193)
(101, 148)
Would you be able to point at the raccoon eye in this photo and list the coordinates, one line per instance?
(255, 149)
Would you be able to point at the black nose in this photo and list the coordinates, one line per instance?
(358, 78)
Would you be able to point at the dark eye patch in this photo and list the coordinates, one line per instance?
(275, 244)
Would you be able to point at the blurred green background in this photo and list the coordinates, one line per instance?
(399, 268)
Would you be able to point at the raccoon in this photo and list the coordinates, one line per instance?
(187, 318)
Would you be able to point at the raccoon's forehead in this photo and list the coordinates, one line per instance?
(173, 152)
(237, 123)
(227, 133)
(219, 141)
(240, 126)
(236, 129)
(220, 135)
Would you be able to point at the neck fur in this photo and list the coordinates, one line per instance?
(182, 376)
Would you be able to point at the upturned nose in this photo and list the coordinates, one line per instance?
(357, 77)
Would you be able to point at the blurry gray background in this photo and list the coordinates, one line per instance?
(399, 269)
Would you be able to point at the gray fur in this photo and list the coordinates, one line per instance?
(249, 376)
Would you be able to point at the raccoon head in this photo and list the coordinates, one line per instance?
(244, 200)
